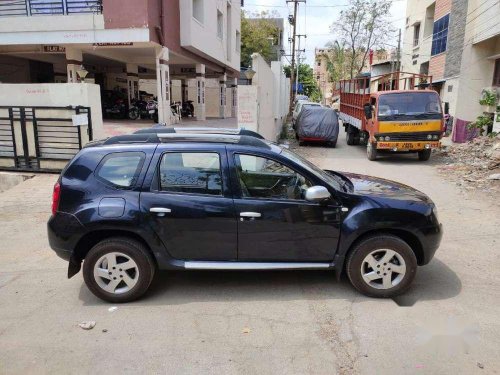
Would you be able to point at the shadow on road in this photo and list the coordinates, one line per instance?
(433, 282)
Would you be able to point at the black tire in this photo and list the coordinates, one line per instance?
(350, 138)
(133, 114)
(364, 248)
(371, 151)
(424, 155)
(131, 248)
(332, 144)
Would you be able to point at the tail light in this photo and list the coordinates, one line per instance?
(56, 196)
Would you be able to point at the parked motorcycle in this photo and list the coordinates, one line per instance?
(138, 110)
(187, 109)
(114, 105)
(152, 109)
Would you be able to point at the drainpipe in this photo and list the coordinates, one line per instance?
(159, 29)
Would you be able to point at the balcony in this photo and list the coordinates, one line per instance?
(11, 8)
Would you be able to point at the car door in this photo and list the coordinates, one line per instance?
(189, 204)
(275, 222)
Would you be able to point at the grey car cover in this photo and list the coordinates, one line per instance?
(318, 122)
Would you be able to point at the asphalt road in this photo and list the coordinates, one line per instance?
(258, 323)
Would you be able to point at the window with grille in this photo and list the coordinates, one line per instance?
(440, 35)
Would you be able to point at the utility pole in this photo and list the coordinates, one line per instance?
(398, 56)
(293, 22)
(298, 63)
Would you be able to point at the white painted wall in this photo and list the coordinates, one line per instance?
(56, 95)
(264, 105)
(201, 36)
(52, 23)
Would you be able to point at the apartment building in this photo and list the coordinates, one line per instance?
(118, 43)
(457, 42)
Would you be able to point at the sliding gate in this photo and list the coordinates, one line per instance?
(42, 138)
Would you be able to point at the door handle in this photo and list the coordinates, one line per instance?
(250, 214)
(161, 211)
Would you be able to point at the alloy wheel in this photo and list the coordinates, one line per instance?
(116, 273)
(383, 269)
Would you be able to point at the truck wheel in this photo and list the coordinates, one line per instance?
(371, 151)
(381, 266)
(424, 155)
(118, 270)
(350, 138)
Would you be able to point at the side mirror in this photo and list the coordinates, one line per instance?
(368, 111)
(317, 194)
(446, 108)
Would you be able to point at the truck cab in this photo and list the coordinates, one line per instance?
(376, 112)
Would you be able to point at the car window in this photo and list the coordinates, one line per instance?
(191, 172)
(121, 169)
(265, 178)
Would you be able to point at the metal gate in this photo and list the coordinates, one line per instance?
(42, 138)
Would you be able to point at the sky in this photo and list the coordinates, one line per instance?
(316, 17)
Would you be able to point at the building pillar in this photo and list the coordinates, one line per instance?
(222, 96)
(132, 82)
(234, 97)
(74, 60)
(163, 87)
(199, 103)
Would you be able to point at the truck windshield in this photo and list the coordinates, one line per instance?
(418, 105)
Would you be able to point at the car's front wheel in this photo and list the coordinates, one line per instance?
(381, 266)
(118, 270)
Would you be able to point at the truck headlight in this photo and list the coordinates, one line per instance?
(387, 138)
(429, 136)
(436, 137)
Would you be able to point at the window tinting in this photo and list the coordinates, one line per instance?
(440, 35)
(191, 172)
(265, 178)
(121, 169)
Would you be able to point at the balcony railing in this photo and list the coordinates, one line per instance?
(10, 8)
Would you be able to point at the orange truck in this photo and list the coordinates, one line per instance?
(394, 112)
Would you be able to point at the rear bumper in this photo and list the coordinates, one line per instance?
(63, 232)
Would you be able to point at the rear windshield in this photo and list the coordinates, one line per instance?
(412, 104)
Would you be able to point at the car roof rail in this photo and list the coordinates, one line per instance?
(200, 130)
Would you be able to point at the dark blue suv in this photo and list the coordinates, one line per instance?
(229, 200)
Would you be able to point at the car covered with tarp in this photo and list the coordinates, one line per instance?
(317, 124)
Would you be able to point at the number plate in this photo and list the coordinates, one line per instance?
(406, 146)
(151, 111)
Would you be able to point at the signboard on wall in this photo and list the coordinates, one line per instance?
(248, 111)
(54, 49)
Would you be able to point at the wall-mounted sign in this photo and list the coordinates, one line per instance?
(80, 120)
(54, 49)
(112, 44)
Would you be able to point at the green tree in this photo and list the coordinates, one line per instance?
(306, 78)
(258, 34)
(363, 26)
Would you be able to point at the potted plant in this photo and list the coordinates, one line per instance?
(489, 101)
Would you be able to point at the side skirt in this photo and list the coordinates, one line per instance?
(254, 266)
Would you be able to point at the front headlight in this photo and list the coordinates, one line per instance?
(387, 138)
(429, 136)
(436, 137)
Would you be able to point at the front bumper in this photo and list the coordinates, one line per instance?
(408, 146)
(430, 239)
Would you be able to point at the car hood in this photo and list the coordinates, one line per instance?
(379, 187)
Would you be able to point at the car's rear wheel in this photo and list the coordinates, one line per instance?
(118, 270)
(381, 266)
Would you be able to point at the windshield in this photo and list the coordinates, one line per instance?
(411, 104)
(318, 172)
